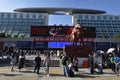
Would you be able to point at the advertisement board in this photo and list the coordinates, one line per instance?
(39, 31)
(24, 44)
(60, 31)
(58, 44)
(40, 44)
(31, 44)
(102, 45)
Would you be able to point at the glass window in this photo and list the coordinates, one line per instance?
(21, 15)
(110, 17)
(27, 16)
(8, 15)
(34, 16)
(2, 15)
(14, 16)
(99, 36)
(98, 17)
(80, 16)
(78, 20)
(86, 16)
(92, 17)
(116, 17)
(104, 17)
(40, 16)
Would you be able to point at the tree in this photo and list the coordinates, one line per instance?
(16, 35)
(117, 36)
(106, 35)
(8, 35)
(22, 35)
(2, 35)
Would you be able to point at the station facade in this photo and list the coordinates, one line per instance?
(15, 27)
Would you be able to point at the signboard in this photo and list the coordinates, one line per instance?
(60, 31)
(39, 31)
(58, 44)
(89, 32)
(90, 44)
(59, 39)
(102, 45)
(24, 44)
(30, 44)
(40, 44)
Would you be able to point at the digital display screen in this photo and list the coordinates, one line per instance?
(89, 32)
(39, 31)
(60, 31)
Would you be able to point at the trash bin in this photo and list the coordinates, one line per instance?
(85, 64)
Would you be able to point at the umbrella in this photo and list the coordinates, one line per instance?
(102, 51)
(110, 50)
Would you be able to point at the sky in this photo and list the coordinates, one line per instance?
(110, 6)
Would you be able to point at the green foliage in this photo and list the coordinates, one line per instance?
(8, 35)
(106, 35)
(117, 36)
(16, 36)
(22, 35)
(2, 34)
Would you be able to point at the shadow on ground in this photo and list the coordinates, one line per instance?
(27, 71)
(10, 75)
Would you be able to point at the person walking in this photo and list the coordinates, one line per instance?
(21, 61)
(91, 63)
(13, 61)
(75, 64)
(117, 64)
(112, 64)
(37, 63)
(65, 65)
(99, 63)
(70, 68)
(46, 62)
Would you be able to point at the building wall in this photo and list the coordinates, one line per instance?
(20, 23)
(107, 26)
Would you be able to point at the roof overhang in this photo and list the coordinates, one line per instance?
(69, 11)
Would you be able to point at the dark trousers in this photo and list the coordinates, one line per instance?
(37, 67)
(92, 69)
(113, 67)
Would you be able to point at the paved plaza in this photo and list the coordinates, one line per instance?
(55, 73)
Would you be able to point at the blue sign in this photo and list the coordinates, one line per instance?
(89, 44)
(40, 44)
(102, 45)
(58, 44)
(24, 44)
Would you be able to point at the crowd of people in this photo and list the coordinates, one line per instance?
(97, 61)
(70, 65)
(17, 58)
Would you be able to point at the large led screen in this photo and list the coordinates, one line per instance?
(60, 31)
(39, 31)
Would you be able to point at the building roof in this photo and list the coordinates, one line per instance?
(68, 11)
